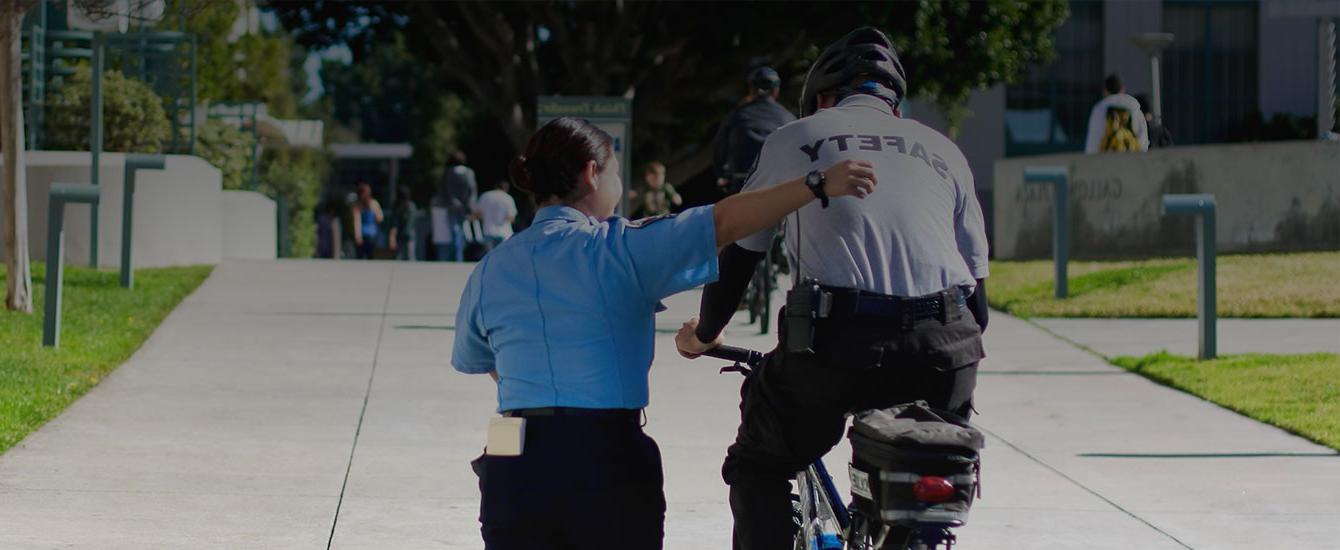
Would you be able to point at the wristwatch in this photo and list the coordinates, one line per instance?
(815, 181)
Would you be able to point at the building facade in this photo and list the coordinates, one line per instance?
(1233, 66)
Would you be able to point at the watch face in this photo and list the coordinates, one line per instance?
(814, 179)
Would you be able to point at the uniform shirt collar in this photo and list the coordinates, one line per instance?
(561, 212)
(864, 100)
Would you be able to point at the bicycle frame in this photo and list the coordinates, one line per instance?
(818, 496)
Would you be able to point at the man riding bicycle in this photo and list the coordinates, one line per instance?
(741, 134)
(892, 305)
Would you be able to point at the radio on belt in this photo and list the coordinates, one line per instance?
(804, 304)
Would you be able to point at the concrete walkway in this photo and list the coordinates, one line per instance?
(1116, 337)
(309, 404)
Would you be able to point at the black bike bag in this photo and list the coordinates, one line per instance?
(914, 464)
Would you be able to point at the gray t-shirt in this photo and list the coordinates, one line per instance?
(920, 232)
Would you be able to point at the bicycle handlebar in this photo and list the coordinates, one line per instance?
(738, 355)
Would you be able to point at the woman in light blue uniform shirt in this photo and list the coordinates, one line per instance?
(562, 317)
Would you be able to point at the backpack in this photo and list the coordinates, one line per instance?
(1118, 136)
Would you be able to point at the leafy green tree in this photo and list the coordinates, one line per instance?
(132, 115)
(683, 67)
(13, 197)
(234, 68)
(391, 96)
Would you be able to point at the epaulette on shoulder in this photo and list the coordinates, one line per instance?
(644, 222)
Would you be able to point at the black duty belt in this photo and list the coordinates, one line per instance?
(848, 302)
(629, 414)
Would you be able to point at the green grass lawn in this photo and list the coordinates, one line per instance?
(1250, 285)
(1299, 393)
(102, 326)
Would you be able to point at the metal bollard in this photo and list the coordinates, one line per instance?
(1202, 206)
(60, 195)
(1058, 177)
(95, 144)
(133, 164)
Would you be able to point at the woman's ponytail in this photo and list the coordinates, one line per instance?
(520, 174)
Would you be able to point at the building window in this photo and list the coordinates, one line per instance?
(1048, 111)
(1210, 70)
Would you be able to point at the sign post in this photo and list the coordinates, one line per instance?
(1057, 177)
(614, 115)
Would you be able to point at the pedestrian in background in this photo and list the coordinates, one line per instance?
(401, 237)
(659, 198)
(442, 232)
(741, 135)
(367, 214)
(458, 192)
(497, 210)
(1116, 123)
(1159, 135)
(328, 227)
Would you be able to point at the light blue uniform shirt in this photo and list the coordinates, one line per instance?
(565, 310)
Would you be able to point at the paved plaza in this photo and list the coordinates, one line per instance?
(310, 404)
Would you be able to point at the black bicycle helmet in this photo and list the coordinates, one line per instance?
(764, 79)
(863, 52)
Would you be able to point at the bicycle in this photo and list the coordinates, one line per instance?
(824, 522)
(758, 295)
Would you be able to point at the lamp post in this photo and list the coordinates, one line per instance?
(1153, 44)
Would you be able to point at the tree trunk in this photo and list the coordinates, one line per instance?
(13, 185)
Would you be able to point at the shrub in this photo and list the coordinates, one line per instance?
(133, 120)
(228, 149)
(294, 177)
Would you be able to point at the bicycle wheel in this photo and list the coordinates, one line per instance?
(755, 296)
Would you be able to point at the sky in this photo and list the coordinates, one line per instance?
(312, 66)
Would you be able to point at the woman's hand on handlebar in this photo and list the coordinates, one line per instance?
(688, 343)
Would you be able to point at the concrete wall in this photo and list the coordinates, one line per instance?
(1271, 197)
(177, 210)
(249, 226)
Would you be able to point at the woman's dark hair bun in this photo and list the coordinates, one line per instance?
(520, 173)
(556, 156)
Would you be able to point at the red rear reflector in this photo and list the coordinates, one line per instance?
(933, 489)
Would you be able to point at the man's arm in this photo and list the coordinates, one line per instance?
(736, 267)
(978, 305)
(358, 224)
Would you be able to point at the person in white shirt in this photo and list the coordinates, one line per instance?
(1126, 130)
(497, 210)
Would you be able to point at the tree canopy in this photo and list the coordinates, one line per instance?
(683, 63)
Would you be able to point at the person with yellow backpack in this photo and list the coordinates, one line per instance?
(1116, 123)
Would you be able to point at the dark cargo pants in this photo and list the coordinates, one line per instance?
(793, 408)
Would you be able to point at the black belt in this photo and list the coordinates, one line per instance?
(629, 414)
(849, 302)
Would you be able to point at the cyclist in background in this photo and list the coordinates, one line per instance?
(884, 320)
(741, 135)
